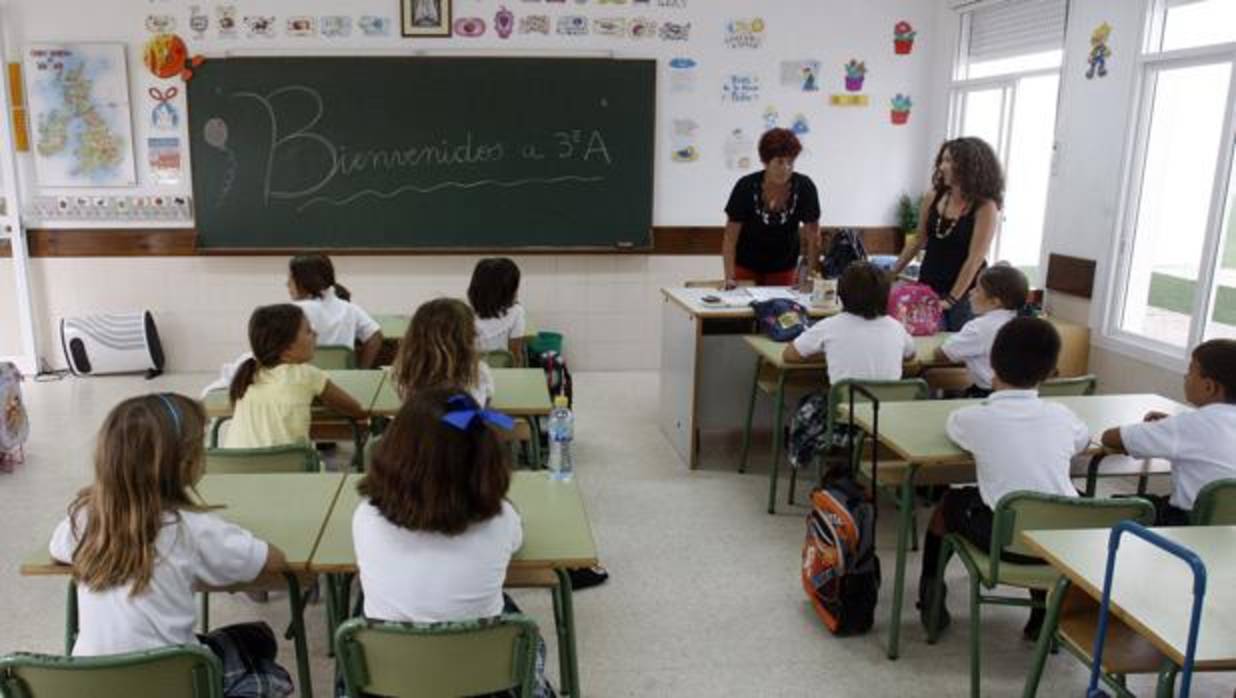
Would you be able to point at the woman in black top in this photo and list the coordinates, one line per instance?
(957, 221)
(763, 237)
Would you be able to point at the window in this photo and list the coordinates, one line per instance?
(1006, 79)
(1176, 277)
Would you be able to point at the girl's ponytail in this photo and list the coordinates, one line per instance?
(243, 379)
(341, 292)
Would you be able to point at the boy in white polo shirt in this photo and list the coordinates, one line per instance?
(1000, 293)
(1200, 444)
(1019, 442)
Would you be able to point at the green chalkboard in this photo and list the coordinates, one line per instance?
(400, 152)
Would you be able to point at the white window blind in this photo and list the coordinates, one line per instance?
(1016, 28)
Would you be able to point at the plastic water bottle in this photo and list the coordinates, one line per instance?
(561, 433)
(802, 276)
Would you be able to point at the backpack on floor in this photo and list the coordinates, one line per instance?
(841, 573)
(917, 307)
(14, 423)
(844, 249)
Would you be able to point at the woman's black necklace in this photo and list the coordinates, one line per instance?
(940, 235)
(776, 217)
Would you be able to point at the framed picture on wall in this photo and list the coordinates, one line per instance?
(426, 17)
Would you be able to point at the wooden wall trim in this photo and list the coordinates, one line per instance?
(182, 242)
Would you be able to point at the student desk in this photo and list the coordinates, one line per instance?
(705, 368)
(769, 353)
(519, 392)
(361, 384)
(294, 526)
(394, 327)
(1152, 591)
(915, 432)
(557, 537)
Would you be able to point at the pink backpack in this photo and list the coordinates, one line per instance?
(917, 307)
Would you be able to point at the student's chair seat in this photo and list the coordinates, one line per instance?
(290, 458)
(409, 660)
(334, 357)
(168, 672)
(1068, 387)
(1215, 504)
(1017, 512)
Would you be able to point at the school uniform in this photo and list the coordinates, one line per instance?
(496, 333)
(858, 348)
(1019, 442)
(483, 391)
(1201, 445)
(191, 548)
(337, 322)
(276, 409)
(972, 345)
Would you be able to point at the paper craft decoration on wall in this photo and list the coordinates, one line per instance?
(682, 75)
(744, 33)
(470, 27)
(741, 88)
(675, 31)
(163, 156)
(804, 75)
(903, 38)
(855, 73)
(426, 18)
(79, 100)
(504, 22)
(771, 117)
(1099, 51)
(800, 126)
(534, 24)
(164, 116)
(682, 141)
(844, 100)
(165, 55)
(17, 105)
(199, 21)
(738, 148)
(900, 112)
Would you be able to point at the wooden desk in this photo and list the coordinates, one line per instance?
(557, 537)
(705, 367)
(1158, 611)
(286, 509)
(519, 392)
(915, 431)
(361, 384)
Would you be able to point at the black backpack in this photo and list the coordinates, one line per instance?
(845, 248)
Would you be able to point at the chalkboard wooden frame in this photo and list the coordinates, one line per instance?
(472, 153)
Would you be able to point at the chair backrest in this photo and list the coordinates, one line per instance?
(499, 358)
(334, 357)
(168, 672)
(1216, 504)
(903, 390)
(407, 660)
(1065, 387)
(1035, 511)
(291, 458)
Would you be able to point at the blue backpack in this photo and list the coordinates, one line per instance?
(780, 318)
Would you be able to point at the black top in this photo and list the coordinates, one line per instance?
(948, 246)
(768, 241)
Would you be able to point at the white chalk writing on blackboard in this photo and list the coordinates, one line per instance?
(509, 184)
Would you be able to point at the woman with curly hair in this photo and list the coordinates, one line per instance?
(957, 221)
(773, 217)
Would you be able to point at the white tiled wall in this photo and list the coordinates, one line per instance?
(608, 306)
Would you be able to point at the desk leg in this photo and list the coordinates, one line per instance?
(298, 634)
(778, 415)
(564, 619)
(746, 434)
(905, 512)
(1046, 637)
(70, 618)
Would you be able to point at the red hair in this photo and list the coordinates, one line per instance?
(779, 143)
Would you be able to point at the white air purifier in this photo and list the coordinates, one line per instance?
(120, 343)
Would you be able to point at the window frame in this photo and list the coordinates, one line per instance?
(1149, 63)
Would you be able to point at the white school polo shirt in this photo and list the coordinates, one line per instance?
(1200, 444)
(199, 547)
(429, 577)
(337, 322)
(972, 344)
(1019, 442)
(858, 348)
(495, 333)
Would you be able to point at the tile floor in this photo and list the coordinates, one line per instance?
(704, 600)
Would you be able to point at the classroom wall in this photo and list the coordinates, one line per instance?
(607, 305)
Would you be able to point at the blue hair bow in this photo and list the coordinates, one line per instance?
(463, 411)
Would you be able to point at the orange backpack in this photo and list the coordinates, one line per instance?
(841, 573)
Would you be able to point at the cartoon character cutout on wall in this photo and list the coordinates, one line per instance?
(855, 73)
(164, 116)
(504, 22)
(1099, 51)
(903, 38)
(900, 112)
(808, 72)
(165, 55)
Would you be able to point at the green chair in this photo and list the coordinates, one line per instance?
(407, 660)
(1017, 512)
(168, 672)
(499, 358)
(1215, 504)
(333, 357)
(1068, 387)
(290, 458)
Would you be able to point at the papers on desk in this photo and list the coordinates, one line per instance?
(767, 293)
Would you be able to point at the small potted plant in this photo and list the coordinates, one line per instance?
(900, 113)
(903, 38)
(855, 72)
(907, 219)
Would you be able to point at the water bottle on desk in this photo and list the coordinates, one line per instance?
(802, 276)
(561, 433)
